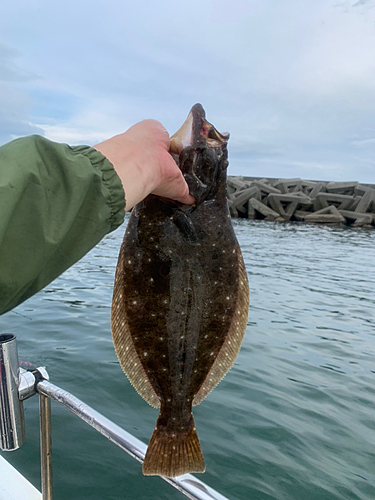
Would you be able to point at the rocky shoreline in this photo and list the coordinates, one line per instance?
(346, 203)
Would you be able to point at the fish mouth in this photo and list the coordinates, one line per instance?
(200, 152)
(196, 131)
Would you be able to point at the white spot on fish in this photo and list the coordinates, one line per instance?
(161, 338)
(134, 302)
(129, 261)
(145, 354)
(151, 279)
(227, 298)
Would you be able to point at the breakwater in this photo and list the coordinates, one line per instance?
(281, 200)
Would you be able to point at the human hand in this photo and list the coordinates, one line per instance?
(141, 159)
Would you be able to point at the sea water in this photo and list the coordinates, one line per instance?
(294, 418)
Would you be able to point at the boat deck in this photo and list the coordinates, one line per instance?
(13, 486)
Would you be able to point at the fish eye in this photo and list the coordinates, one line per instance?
(165, 269)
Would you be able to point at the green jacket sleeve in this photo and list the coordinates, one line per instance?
(56, 203)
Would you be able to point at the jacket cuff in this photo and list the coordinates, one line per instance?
(116, 197)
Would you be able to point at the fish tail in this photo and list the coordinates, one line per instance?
(171, 453)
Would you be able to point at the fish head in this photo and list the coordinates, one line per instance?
(201, 153)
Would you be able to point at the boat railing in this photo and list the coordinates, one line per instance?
(18, 384)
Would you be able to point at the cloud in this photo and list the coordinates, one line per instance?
(364, 142)
(9, 71)
(293, 82)
(100, 119)
(14, 116)
(249, 149)
(349, 4)
(370, 3)
(15, 103)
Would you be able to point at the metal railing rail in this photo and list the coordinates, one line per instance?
(187, 484)
(17, 384)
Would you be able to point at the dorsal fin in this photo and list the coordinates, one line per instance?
(124, 346)
(232, 343)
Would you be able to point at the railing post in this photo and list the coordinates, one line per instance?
(12, 421)
(46, 447)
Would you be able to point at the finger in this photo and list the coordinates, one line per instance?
(185, 196)
(158, 132)
(187, 200)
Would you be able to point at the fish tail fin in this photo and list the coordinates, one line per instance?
(171, 453)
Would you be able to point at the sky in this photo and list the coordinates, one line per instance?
(293, 81)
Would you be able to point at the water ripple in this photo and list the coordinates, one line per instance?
(294, 419)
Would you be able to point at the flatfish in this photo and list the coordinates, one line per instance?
(181, 298)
